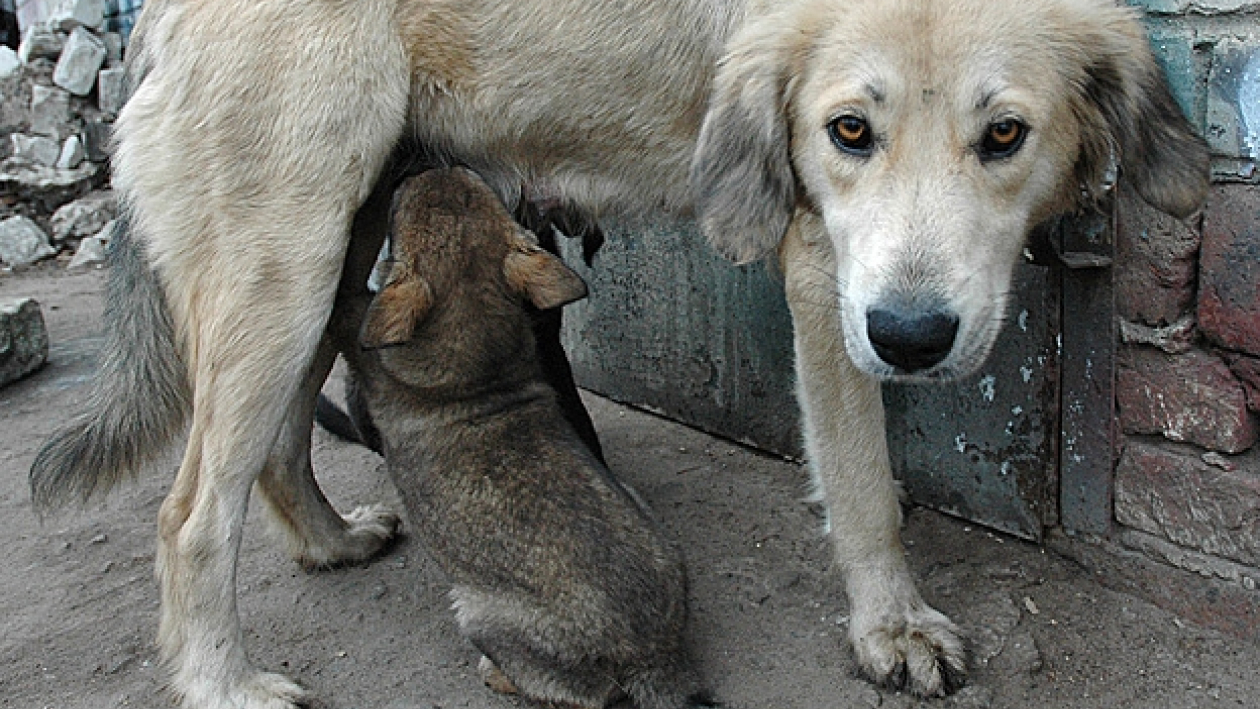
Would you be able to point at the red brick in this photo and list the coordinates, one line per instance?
(1168, 491)
(1192, 398)
(1247, 369)
(1156, 263)
(1229, 268)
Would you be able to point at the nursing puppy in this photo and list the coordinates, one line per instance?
(895, 153)
(561, 578)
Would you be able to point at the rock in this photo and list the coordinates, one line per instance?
(9, 62)
(23, 339)
(50, 112)
(82, 218)
(96, 139)
(1229, 268)
(80, 61)
(22, 242)
(113, 47)
(71, 154)
(40, 43)
(110, 92)
(91, 252)
(45, 189)
(72, 14)
(36, 149)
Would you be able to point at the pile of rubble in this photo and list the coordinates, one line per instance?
(59, 94)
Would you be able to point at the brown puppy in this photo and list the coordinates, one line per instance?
(561, 578)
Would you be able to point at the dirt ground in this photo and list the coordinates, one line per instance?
(78, 602)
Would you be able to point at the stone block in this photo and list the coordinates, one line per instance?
(83, 217)
(1156, 263)
(71, 14)
(79, 63)
(113, 47)
(1191, 398)
(110, 90)
(50, 112)
(40, 43)
(91, 252)
(1170, 492)
(23, 339)
(1233, 101)
(22, 242)
(9, 62)
(35, 149)
(71, 154)
(1247, 369)
(96, 134)
(1229, 268)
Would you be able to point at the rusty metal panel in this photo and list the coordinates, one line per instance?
(1089, 363)
(672, 327)
(985, 448)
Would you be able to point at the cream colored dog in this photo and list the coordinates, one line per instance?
(896, 152)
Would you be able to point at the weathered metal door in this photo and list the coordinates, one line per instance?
(672, 327)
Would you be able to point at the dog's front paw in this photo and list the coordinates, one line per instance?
(262, 690)
(916, 649)
(369, 530)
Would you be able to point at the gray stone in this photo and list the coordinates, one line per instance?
(79, 62)
(71, 154)
(113, 47)
(50, 112)
(45, 189)
(91, 252)
(83, 217)
(23, 339)
(22, 242)
(40, 43)
(71, 14)
(36, 149)
(9, 62)
(96, 134)
(110, 91)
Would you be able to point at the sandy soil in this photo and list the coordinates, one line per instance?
(78, 603)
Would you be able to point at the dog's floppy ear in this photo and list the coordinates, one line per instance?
(394, 313)
(741, 172)
(540, 276)
(1130, 117)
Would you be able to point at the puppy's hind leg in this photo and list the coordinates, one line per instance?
(317, 535)
(900, 641)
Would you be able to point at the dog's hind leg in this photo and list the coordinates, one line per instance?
(900, 641)
(317, 535)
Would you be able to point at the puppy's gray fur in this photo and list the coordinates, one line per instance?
(561, 578)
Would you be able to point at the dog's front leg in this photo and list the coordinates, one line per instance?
(899, 640)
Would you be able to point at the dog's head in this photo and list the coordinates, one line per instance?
(930, 138)
(463, 272)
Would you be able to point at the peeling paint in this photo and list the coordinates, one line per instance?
(988, 387)
(1249, 105)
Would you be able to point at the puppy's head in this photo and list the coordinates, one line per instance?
(464, 270)
(930, 138)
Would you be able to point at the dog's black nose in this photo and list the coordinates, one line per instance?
(911, 340)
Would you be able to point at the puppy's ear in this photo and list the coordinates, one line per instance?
(1129, 116)
(741, 172)
(394, 313)
(540, 276)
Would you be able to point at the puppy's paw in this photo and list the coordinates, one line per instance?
(369, 530)
(917, 649)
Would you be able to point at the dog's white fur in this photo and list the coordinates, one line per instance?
(255, 144)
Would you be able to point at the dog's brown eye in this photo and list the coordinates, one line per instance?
(1002, 139)
(852, 135)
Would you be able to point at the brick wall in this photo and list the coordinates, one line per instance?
(1187, 478)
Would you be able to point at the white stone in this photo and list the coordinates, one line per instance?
(79, 63)
(36, 149)
(71, 154)
(9, 62)
(91, 253)
(78, 13)
(22, 242)
(39, 42)
(109, 90)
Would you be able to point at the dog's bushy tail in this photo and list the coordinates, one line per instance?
(138, 400)
(667, 688)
